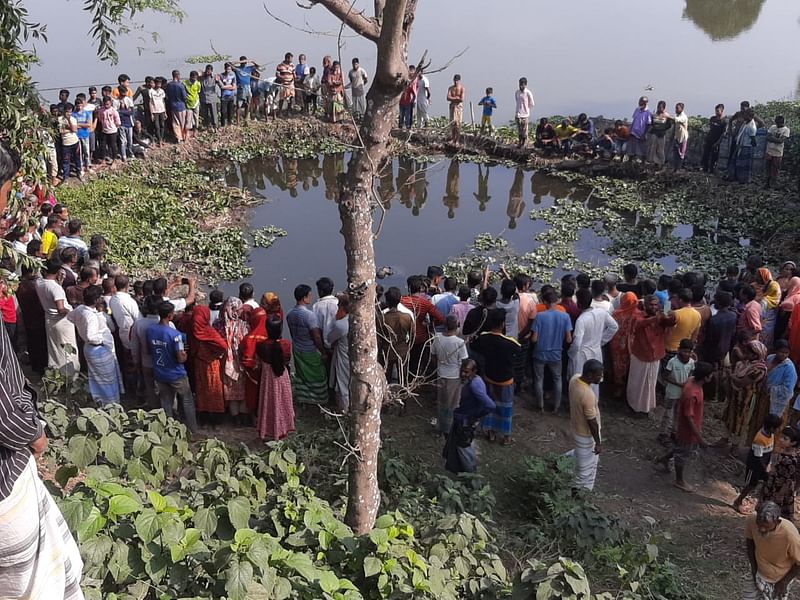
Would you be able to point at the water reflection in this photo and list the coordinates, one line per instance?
(482, 195)
(516, 204)
(332, 167)
(451, 189)
(723, 20)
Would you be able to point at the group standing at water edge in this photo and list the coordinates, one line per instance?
(122, 122)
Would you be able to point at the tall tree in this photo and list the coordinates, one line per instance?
(390, 30)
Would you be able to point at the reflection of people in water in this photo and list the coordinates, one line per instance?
(723, 20)
(482, 196)
(540, 186)
(405, 179)
(386, 184)
(450, 199)
(516, 204)
(332, 166)
(309, 172)
(290, 175)
(420, 186)
(274, 173)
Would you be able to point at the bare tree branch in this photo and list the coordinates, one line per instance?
(304, 30)
(448, 63)
(357, 21)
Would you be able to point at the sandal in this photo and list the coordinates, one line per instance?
(508, 441)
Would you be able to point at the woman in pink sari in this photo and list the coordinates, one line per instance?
(275, 408)
(233, 328)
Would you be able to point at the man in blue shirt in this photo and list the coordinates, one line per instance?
(244, 93)
(552, 328)
(310, 384)
(84, 118)
(177, 96)
(165, 345)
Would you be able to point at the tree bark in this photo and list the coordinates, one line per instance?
(357, 201)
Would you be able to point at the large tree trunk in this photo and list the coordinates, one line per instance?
(356, 204)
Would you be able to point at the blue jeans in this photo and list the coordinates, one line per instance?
(126, 142)
(71, 155)
(554, 367)
(406, 116)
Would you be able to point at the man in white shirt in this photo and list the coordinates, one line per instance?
(777, 134)
(423, 100)
(326, 308)
(449, 350)
(125, 312)
(594, 328)
(358, 80)
(525, 104)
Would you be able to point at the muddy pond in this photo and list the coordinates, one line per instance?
(433, 212)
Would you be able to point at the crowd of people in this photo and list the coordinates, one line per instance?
(122, 121)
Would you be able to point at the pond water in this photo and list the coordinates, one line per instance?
(596, 57)
(434, 211)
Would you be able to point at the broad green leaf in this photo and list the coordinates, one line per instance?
(109, 488)
(119, 566)
(160, 456)
(123, 505)
(93, 523)
(95, 551)
(113, 447)
(141, 445)
(190, 537)
(82, 450)
(245, 536)
(328, 581)
(177, 552)
(147, 525)
(302, 564)
(75, 511)
(239, 512)
(372, 566)
(206, 520)
(100, 422)
(239, 576)
(156, 566)
(384, 521)
(157, 500)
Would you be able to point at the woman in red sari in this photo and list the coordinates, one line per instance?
(206, 349)
(619, 345)
(275, 410)
(249, 359)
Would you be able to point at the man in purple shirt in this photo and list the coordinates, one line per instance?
(642, 119)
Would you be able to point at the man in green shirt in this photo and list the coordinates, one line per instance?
(192, 103)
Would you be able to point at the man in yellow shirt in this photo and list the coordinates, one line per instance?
(565, 132)
(773, 548)
(687, 322)
(584, 412)
(49, 237)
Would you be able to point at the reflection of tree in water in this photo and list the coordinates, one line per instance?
(452, 188)
(482, 196)
(516, 204)
(420, 186)
(405, 180)
(723, 20)
(386, 184)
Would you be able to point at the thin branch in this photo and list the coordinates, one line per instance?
(301, 29)
(357, 21)
(446, 65)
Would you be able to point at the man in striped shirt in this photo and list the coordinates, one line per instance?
(39, 556)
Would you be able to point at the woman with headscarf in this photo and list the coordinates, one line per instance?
(791, 299)
(233, 328)
(336, 91)
(206, 350)
(248, 358)
(747, 380)
(625, 316)
(787, 272)
(272, 304)
(275, 408)
(769, 295)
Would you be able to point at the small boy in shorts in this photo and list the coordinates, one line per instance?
(489, 104)
(676, 374)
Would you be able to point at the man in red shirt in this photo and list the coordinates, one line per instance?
(425, 317)
(690, 422)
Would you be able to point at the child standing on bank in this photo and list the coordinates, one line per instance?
(489, 104)
(678, 370)
(689, 423)
(758, 458)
